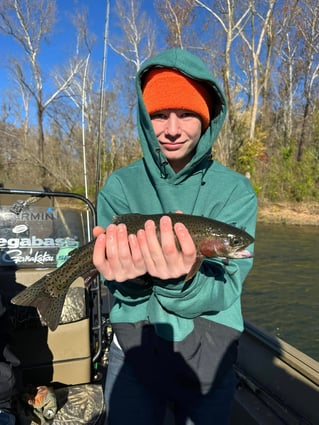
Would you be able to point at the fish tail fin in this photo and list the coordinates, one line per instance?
(50, 310)
(29, 295)
(49, 307)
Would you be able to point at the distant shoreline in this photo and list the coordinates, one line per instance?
(301, 214)
(290, 213)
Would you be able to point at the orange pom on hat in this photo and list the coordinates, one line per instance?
(165, 88)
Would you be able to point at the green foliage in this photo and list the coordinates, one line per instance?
(249, 153)
(275, 173)
(289, 179)
(249, 158)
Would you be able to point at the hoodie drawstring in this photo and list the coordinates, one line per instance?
(162, 163)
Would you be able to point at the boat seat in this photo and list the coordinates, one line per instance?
(62, 356)
(61, 359)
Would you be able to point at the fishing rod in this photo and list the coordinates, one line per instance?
(101, 108)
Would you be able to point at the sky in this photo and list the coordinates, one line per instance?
(62, 42)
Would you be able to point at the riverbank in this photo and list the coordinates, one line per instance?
(303, 213)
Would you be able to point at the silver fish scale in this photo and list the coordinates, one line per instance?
(199, 227)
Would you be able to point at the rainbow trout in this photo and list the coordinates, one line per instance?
(211, 237)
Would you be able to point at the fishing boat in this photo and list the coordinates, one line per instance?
(277, 384)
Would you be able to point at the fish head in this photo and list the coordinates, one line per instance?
(230, 245)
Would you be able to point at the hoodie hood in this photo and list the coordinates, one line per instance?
(190, 65)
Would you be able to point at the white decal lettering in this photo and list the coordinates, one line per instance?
(18, 258)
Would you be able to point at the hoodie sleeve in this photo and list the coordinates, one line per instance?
(111, 202)
(216, 286)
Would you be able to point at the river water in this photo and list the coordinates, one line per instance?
(281, 293)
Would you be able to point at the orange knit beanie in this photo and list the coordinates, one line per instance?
(165, 88)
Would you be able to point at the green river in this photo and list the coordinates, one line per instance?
(281, 293)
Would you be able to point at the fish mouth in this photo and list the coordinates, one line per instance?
(243, 253)
(235, 252)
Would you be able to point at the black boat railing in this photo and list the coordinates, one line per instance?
(95, 287)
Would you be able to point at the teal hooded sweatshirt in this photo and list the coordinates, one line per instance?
(203, 187)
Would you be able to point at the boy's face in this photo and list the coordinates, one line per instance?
(178, 132)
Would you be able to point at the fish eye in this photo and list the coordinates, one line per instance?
(235, 241)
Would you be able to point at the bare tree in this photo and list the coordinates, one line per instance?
(30, 23)
(289, 57)
(288, 49)
(232, 16)
(138, 36)
(308, 29)
(177, 14)
(135, 44)
(254, 38)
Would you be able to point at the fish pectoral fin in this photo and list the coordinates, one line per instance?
(90, 275)
(195, 268)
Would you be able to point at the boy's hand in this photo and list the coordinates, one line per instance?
(116, 254)
(162, 258)
(119, 256)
